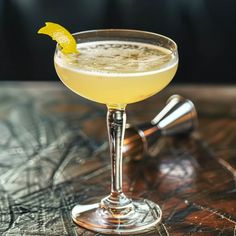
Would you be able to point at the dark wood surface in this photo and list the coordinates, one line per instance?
(53, 153)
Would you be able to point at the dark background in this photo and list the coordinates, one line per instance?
(205, 31)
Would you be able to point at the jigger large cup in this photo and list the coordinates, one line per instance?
(178, 117)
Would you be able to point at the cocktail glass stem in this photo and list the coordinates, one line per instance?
(116, 213)
(117, 203)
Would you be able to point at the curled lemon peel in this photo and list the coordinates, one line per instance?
(61, 35)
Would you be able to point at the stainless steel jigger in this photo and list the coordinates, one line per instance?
(179, 116)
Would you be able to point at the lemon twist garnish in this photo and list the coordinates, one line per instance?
(63, 37)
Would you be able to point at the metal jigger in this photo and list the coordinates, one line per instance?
(178, 117)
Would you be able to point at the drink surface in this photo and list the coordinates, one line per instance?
(116, 72)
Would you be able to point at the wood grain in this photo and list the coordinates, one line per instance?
(54, 153)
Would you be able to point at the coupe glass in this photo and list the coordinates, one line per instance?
(121, 80)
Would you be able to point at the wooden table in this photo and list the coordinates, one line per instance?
(53, 153)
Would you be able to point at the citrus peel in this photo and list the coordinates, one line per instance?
(61, 35)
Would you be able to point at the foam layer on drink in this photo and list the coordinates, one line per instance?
(116, 57)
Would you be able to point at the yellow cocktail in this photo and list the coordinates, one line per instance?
(116, 68)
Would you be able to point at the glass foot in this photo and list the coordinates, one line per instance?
(144, 216)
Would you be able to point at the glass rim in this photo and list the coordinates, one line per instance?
(173, 51)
